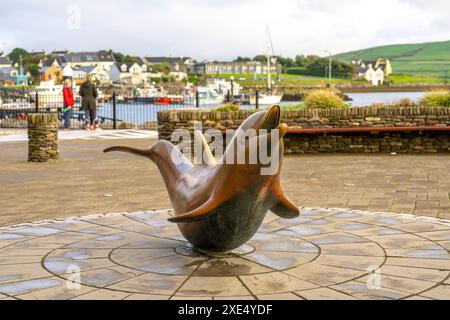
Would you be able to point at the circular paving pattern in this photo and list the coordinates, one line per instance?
(324, 254)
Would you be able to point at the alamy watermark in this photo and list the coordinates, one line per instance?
(73, 20)
(374, 278)
(73, 281)
(243, 147)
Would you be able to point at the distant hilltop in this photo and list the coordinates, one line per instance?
(421, 59)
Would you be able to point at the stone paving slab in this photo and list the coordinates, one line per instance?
(326, 254)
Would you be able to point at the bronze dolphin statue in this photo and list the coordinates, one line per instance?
(219, 207)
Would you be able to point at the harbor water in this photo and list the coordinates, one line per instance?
(140, 113)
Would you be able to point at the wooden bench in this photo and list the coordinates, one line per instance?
(368, 129)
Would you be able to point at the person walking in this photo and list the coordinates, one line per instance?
(69, 102)
(88, 94)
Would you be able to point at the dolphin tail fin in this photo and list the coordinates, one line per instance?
(205, 152)
(285, 208)
(202, 212)
(136, 151)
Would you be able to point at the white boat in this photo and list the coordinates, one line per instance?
(147, 92)
(206, 96)
(209, 96)
(266, 99)
(48, 94)
(224, 87)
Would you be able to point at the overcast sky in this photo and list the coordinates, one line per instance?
(220, 29)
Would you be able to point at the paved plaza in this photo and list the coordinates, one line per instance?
(371, 227)
(87, 181)
(324, 254)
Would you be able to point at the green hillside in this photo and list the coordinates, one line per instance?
(423, 59)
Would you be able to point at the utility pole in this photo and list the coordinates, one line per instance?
(330, 67)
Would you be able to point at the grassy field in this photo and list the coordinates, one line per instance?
(423, 59)
(284, 79)
(402, 78)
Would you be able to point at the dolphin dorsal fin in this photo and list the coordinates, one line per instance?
(205, 152)
(284, 207)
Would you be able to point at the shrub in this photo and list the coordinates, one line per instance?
(126, 125)
(294, 107)
(402, 103)
(405, 102)
(228, 107)
(323, 99)
(436, 99)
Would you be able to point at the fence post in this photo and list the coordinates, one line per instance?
(197, 100)
(114, 110)
(36, 102)
(257, 99)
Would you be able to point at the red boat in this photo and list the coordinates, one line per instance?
(164, 100)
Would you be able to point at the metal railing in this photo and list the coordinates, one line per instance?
(113, 112)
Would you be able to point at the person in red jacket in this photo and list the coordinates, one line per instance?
(69, 102)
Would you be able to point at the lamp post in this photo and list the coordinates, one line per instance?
(232, 87)
(330, 66)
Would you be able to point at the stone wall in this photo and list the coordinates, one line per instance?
(400, 142)
(42, 137)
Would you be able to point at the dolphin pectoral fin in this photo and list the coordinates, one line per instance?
(285, 208)
(206, 151)
(202, 212)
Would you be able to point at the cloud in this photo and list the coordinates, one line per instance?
(220, 29)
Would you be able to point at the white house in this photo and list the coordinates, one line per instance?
(67, 72)
(177, 64)
(97, 74)
(130, 73)
(374, 76)
(5, 63)
(9, 71)
(102, 59)
(373, 71)
(178, 75)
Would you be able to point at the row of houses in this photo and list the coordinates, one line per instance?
(103, 67)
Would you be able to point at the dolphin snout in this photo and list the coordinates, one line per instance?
(272, 118)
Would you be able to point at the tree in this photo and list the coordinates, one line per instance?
(260, 58)
(163, 68)
(117, 56)
(286, 62)
(16, 53)
(315, 66)
(129, 59)
(33, 69)
(242, 59)
(32, 59)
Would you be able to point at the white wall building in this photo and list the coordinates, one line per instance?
(374, 76)
(5, 63)
(130, 73)
(97, 74)
(373, 71)
(102, 59)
